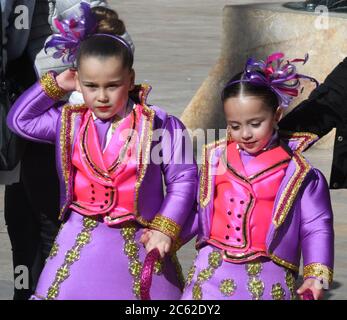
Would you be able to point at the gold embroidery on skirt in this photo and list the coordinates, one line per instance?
(71, 256)
(54, 251)
(215, 259)
(290, 282)
(190, 275)
(277, 292)
(255, 285)
(131, 249)
(227, 287)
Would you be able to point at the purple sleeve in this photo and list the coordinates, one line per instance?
(316, 229)
(181, 176)
(34, 116)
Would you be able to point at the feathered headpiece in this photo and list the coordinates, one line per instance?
(279, 75)
(74, 30)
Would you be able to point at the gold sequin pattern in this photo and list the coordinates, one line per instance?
(190, 275)
(158, 267)
(71, 257)
(254, 269)
(54, 250)
(256, 288)
(144, 150)
(214, 260)
(291, 190)
(284, 263)
(227, 287)
(319, 271)
(197, 291)
(290, 282)
(255, 285)
(166, 226)
(68, 116)
(131, 249)
(277, 292)
(206, 175)
(50, 86)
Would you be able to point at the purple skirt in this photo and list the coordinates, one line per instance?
(90, 260)
(212, 278)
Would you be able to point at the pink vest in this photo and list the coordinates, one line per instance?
(243, 202)
(105, 182)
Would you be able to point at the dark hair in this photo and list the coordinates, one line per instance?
(108, 21)
(248, 89)
(104, 46)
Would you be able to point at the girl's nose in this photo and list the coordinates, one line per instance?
(102, 96)
(246, 134)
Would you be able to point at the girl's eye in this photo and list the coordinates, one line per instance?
(235, 127)
(255, 125)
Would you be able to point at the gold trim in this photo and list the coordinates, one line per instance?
(147, 125)
(208, 152)
(277, 292)
(131, 250)
(215, 260)
(67, 130)
(71, 256)
(227, 287)
(166, 226)
(284, 263)
(304, 138)
(319, 271)
(50, 86)
(291, 190)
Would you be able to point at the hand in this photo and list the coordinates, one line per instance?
(314, 285)
(146, 234)
(156, 239)
(67, 80)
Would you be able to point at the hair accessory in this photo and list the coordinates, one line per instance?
(73, 31)
(279, 75)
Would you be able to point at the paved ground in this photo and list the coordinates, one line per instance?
(177, 42)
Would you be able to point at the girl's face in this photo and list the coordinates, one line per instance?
(250, 123)
(105, 85)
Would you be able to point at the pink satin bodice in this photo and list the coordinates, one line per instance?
(105, 181)
(244, 200)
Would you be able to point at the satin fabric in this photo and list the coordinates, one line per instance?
(243, 205)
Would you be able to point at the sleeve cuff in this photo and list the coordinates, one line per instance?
(50, 86)
(320, 272)
(166, 226)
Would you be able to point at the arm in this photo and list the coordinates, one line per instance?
(325, 108)
(35, 114)
(180, 175)
(316, 230)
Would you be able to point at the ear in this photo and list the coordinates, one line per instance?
(132, 80)
(279, 114)
(77, 82)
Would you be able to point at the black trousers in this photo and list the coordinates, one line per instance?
(31, 213)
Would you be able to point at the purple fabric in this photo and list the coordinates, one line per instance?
(102, 271)
(270, 275)
(309, 224)
(102, 127)
(37, 117)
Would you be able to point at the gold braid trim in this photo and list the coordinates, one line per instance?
(166, 226)
(50, 86)
(319, 271)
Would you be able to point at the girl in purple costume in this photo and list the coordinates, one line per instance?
(261, 204)
(111, 188)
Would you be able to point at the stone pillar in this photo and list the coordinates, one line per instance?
(258, 30)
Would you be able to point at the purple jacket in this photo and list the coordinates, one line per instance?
(38, 116)
(302, 220)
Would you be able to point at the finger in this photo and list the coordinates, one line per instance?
(302, 289)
